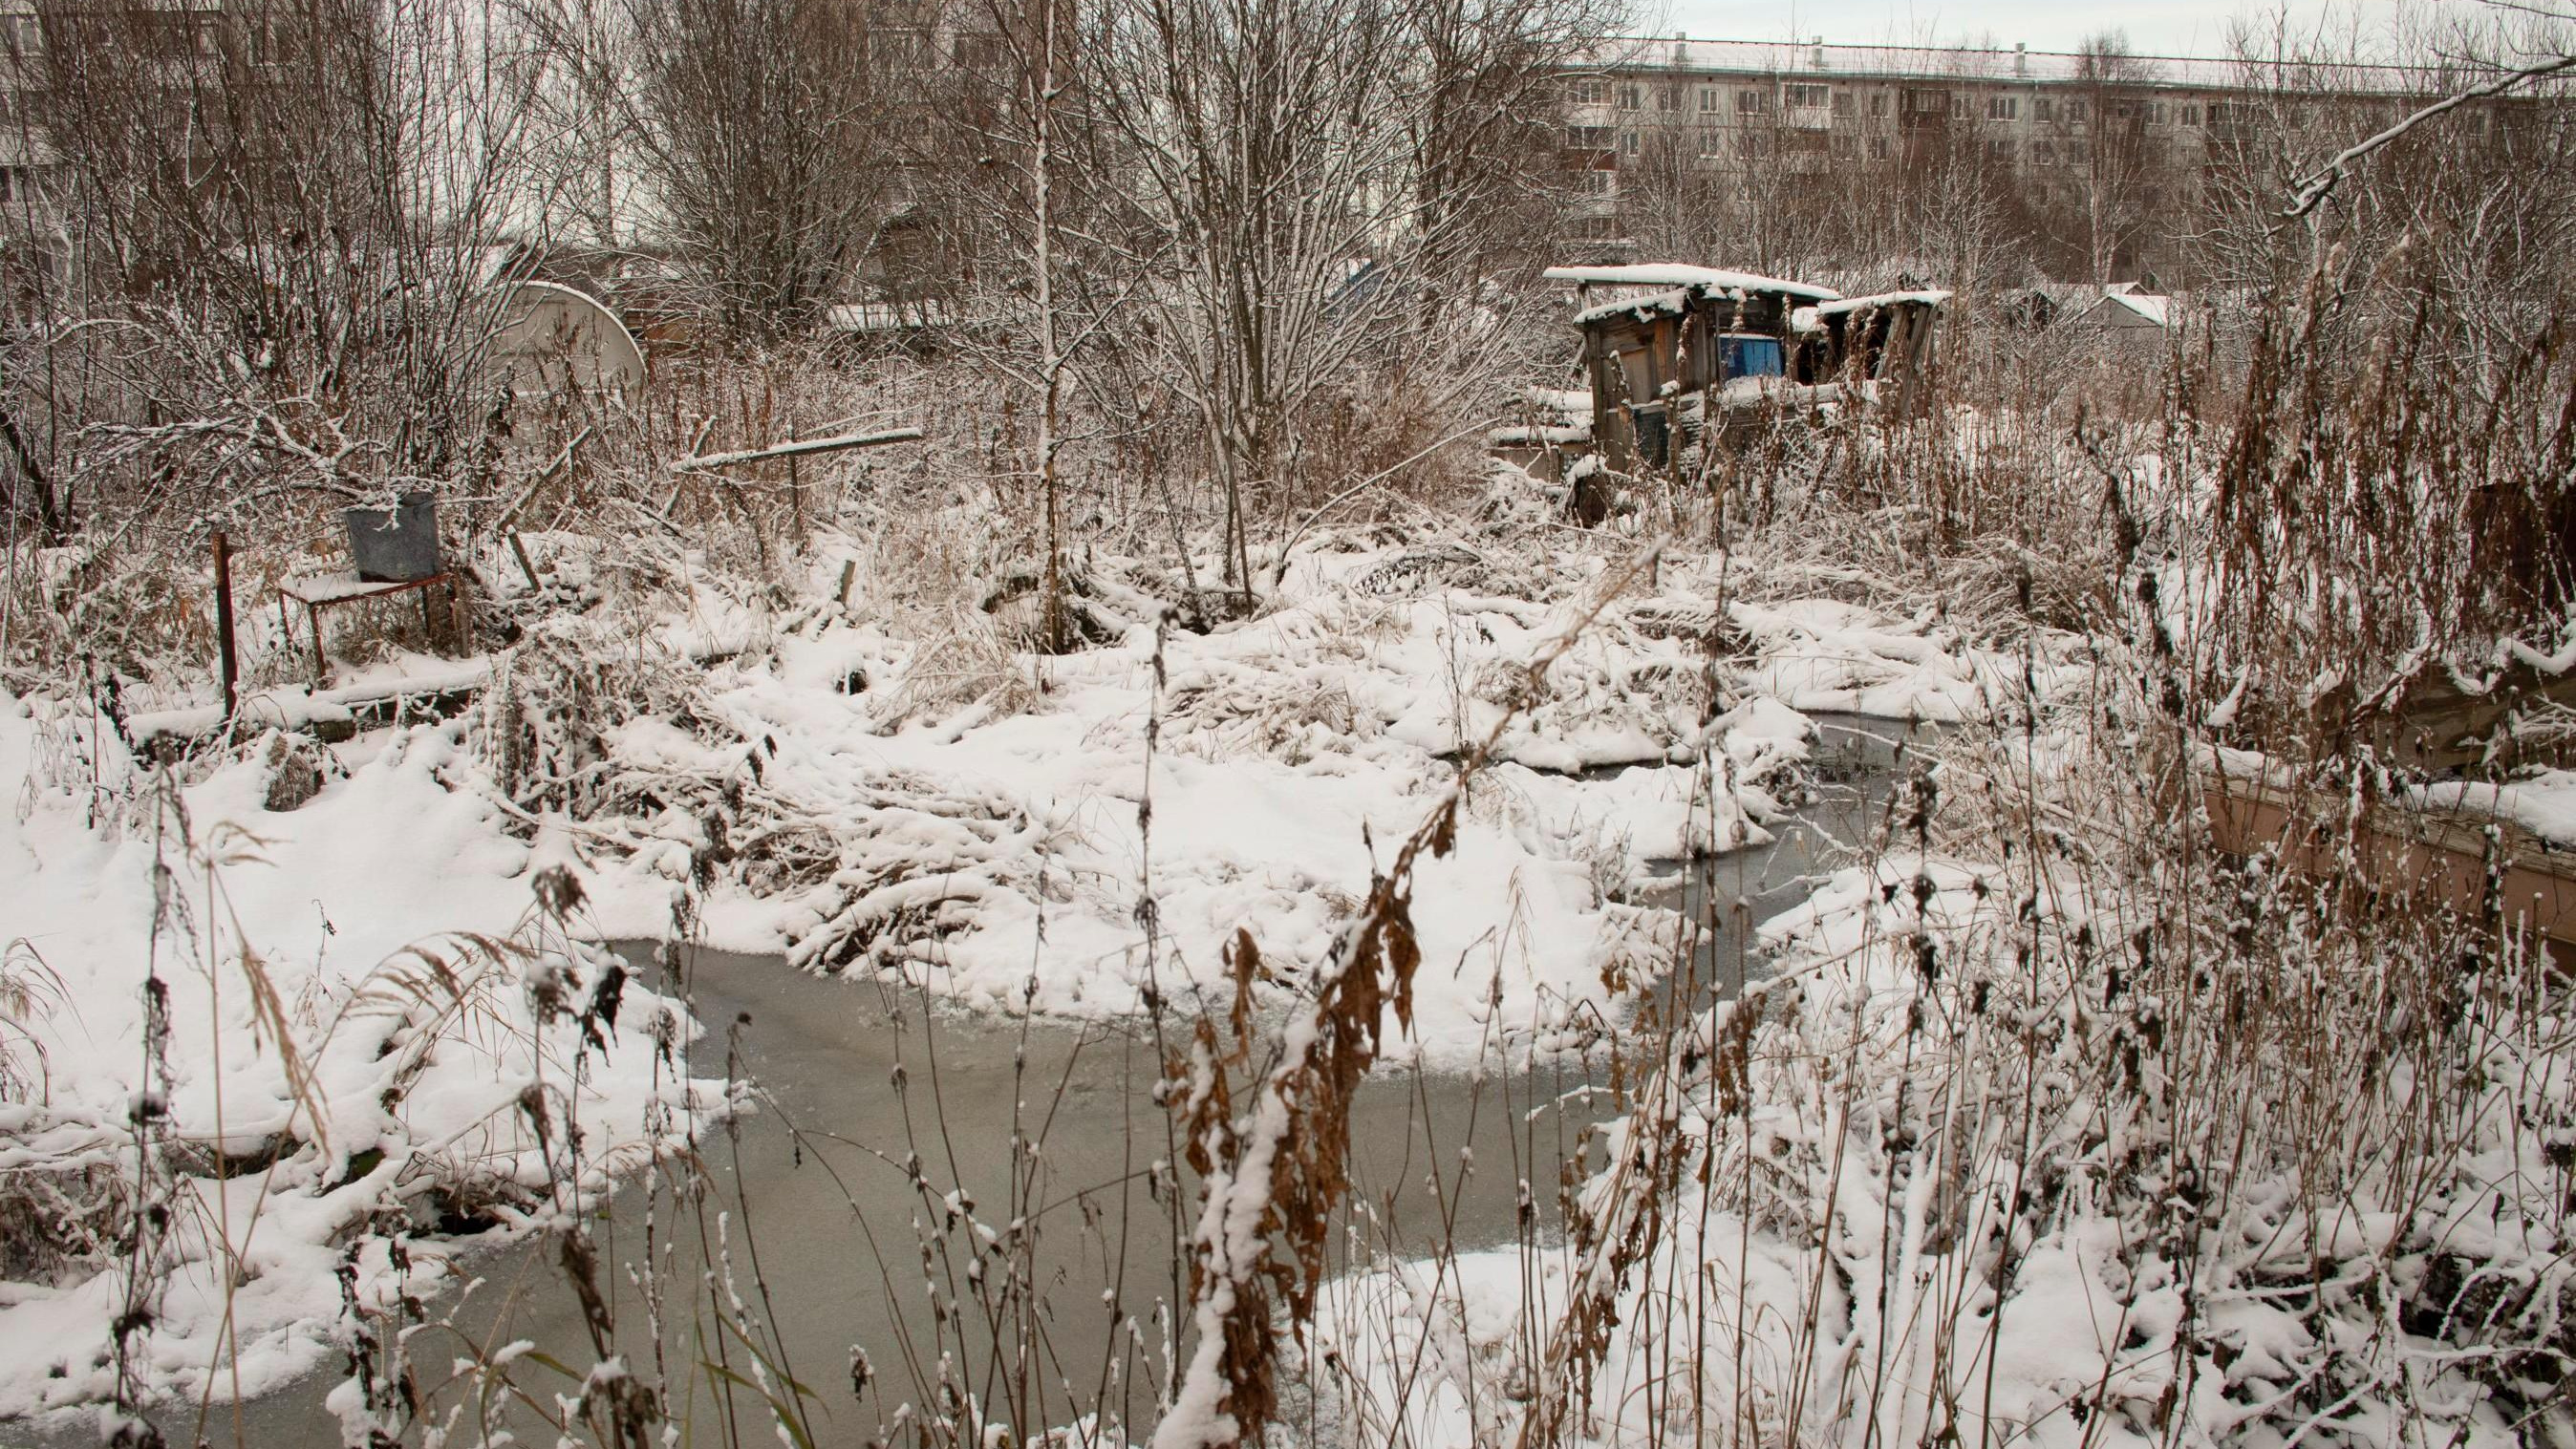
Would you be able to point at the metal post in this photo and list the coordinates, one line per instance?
(795, 490)
(224, 620)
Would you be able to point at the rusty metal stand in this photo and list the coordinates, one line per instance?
(319, 594)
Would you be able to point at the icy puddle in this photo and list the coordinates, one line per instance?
(1857, 763)
(830, 1240)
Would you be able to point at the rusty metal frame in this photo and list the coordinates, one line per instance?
(313, 607)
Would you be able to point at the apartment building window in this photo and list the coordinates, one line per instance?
(2000, 150)
(172, 34)
(2002, 108)
(1632, 97)
(1878, 148)
(2191, 116)
(1752, 103)
(2042, 154)
(23, 35)
(1806, 97)
(1587, 138)
(1627, 143)
(1846, 147)
(1668, 98)
(1712, 143)
(1600, 183)
(1842, 105)
(899, 48)
(2075, 112)
(1878, 105)
(1711, 100)
(1592, 92)
(1752, 144)
(2042, 109)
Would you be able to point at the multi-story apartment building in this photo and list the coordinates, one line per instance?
(134, 60)
(2053, 135)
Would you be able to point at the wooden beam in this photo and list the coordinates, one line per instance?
(799, 449)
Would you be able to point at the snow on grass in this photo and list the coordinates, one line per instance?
(422, 1048)
(995, 852)
(834, 786)
(1968, 1167)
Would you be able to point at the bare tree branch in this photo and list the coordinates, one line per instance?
(2323, 182)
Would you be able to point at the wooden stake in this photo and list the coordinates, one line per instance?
(525, 567)
(224, 620)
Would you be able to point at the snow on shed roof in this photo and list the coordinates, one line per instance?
(1645, 306)
(2149, 309)
(1686, 277)
(1929, 297)
(889, 316)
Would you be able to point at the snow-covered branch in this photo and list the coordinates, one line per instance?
(2319, 185)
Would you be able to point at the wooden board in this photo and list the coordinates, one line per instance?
(2439, 858)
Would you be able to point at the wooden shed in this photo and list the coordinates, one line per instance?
(2128, 313)
(1671, 349)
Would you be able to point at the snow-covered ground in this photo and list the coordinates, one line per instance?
(361, 995)
(819, 787)
(1956, 1172)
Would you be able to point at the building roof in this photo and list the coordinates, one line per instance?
(1988, 66)
(2121, 306)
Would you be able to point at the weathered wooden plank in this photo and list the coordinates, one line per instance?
(2440, 858)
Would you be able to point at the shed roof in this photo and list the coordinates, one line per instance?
(2121, 307)
(1930, 297)
(1686, 277)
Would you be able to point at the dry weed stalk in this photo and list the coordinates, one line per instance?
(1280, 1170)
(2384, 511)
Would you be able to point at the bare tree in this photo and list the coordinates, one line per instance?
(1483, 135)
(760, 136)
(2117, 156)
(277, 224)
(2434, 194)
(1267, 142)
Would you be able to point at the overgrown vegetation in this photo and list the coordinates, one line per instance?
(2056, 1103)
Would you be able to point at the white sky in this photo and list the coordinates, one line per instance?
(2155, 27)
